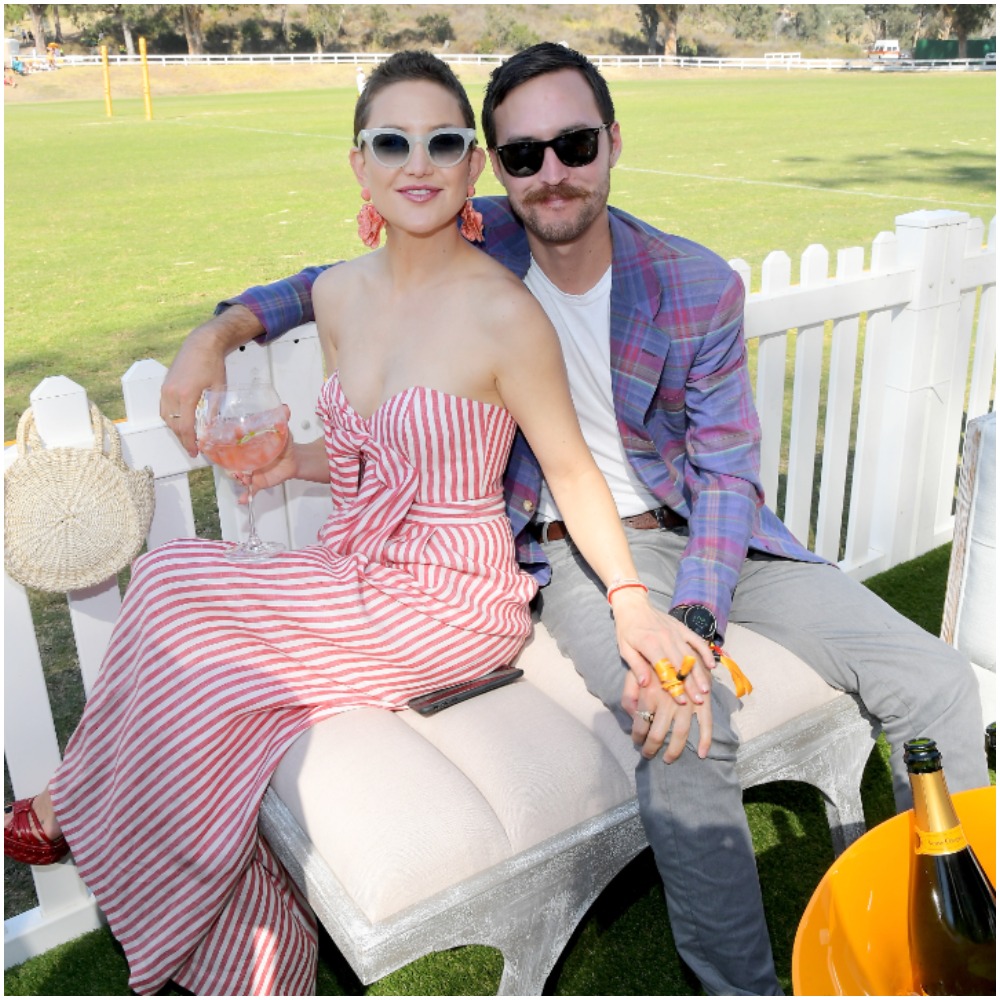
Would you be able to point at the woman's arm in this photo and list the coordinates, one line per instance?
(531, 379)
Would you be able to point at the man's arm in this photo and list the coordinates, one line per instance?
(264, 311)
(722, 472)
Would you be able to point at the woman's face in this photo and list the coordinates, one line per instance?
(418, 197)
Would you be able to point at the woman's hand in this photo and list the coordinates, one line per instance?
(656, 715)
(283, 468)
(297, 461)
(647, 637)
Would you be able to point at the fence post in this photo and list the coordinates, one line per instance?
(920, 368)
(66, 909)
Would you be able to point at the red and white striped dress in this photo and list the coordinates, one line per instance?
(216, 667)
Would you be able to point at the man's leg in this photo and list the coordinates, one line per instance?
(692, 810)
(910, 680)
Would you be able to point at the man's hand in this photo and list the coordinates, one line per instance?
(200, 364)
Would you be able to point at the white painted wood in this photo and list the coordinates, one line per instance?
(62, 413)
(30, 746)
(859, 553)
(93, 613)
(808, 372)
(141, 391)
(172, 515)
(798, 307)
(31, 750)
(984, 361)
(33, 933)
(911, 447)
(839, 411)
(776, 275)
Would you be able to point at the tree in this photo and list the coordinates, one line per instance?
(501, 33)
(436, 28)
(38, 25)
(14, 12)
(56, 25)
(752, 20)
(847, 20)
(648, 15)
(325, 21)
(670, 12)
(964, 19)
(191, 14)
(379, 26)
(893, 20)
(281, 9)
(807, 21)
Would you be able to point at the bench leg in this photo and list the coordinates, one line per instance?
(846, 817)
(534, 947)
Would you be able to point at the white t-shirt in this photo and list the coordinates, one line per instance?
(583, 323)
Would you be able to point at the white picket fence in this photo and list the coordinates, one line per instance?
(768, 61)
(864, 378)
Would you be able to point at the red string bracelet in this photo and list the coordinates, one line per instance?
(624, 585)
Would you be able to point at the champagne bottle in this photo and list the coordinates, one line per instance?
(953, 907)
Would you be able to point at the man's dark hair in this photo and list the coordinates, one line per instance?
(546, 57)
(411, 66)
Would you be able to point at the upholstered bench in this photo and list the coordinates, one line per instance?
(500, 820)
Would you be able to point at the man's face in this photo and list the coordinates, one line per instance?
(559, 203)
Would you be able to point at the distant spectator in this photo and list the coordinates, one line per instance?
(9, 77)
(361, 79)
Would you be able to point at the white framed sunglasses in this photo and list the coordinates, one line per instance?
(392, 147)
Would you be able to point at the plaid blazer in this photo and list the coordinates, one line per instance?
(682, 396)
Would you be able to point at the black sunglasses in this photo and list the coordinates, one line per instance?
(574, 149)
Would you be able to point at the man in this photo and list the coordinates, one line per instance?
(651, 326)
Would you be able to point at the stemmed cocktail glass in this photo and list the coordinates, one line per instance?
(243, 429)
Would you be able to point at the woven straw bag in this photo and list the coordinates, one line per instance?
(73, 517)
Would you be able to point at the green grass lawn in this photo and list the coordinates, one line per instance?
(121, 234)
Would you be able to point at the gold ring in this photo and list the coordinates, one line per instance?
(687, 666)
(675, 690)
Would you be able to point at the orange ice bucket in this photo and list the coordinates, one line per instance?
(851, 940)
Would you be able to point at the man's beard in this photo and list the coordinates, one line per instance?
(590, 205)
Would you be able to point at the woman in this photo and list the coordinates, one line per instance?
(215, 668)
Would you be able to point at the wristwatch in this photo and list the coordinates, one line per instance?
(698, 618)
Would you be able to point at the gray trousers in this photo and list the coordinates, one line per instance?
(692, 810)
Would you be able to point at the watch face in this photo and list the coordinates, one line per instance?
(699, 619)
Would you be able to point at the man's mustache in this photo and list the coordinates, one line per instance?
(564, 190)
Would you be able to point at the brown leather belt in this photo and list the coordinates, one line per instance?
(662, 517)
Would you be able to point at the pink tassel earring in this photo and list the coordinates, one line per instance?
(472, 221)
(370, 222)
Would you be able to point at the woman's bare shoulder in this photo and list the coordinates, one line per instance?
(345, 273)
(499, 292)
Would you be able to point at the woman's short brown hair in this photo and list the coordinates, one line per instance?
(411, 66)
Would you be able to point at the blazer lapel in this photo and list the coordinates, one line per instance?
(638, 346)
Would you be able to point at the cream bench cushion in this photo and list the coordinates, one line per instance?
(389, 821)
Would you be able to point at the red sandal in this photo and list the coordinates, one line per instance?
(25, 839)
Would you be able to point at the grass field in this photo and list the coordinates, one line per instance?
(121, 234)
